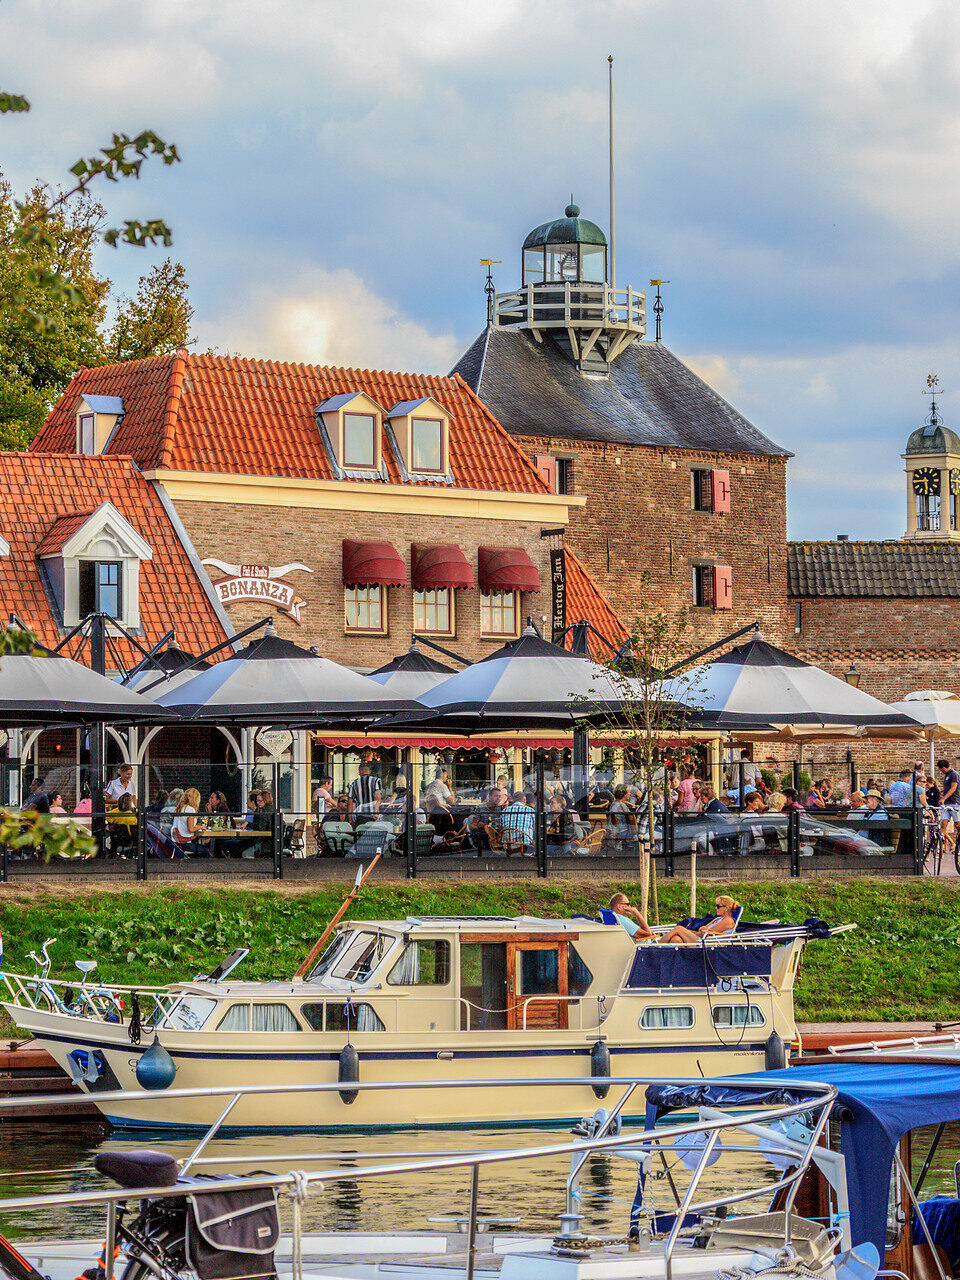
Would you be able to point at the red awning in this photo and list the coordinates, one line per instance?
(506, 569)
(359, 741)
(372, 564)
(439, 565)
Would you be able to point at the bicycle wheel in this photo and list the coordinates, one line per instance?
(956, 858)
(157, 1257)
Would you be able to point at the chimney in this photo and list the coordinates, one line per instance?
(843, 537)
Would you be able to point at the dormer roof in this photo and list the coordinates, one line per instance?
(104, 404)
(406, 407)
(71, 535)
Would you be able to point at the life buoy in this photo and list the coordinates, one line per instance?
(600, 1066)
(348, 1072)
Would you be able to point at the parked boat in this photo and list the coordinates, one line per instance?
(438, 999)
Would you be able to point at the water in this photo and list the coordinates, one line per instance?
(36, 1160)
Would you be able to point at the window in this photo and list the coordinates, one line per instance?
(702, 496)
(190, 1013)
(703, 586)
(533, 266)
(738, 1015)
(237, 1018)
(928, 512)
(364, 609)
(100, 588)
(423, 963)
(433, 612)
(360, 440)
(579, 976)
(564, 476)
(498, 614)
(426, 452)
(666, 1017)
(87, 432)
(953, 512)
(274, 1017)
(352, 1017)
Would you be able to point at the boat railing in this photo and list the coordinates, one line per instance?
(572, 1003)
(921, 1042)
(298, 1183)
(48, 994)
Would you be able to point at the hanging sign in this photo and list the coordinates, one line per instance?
(261, 583)
(276, 742)
(558, 592)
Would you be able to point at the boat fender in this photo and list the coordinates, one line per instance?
(600, 1066)
(348, 1072)
(774, 1053)
(155, 1068)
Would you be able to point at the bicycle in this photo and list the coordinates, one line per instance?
(85, 1004)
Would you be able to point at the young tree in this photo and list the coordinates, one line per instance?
(156, 321)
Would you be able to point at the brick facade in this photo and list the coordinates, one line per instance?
(639, 516)
(275, 535)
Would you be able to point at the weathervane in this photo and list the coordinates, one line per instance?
(658, 305)
(933, 390)
(489, 288)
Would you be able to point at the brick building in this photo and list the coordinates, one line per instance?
(678, 484)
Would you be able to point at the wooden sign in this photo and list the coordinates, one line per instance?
(558, 592)
(260, 583)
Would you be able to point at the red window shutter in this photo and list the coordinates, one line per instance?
(548, 469)
(722, 587)
(720, 490)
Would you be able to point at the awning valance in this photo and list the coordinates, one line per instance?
(372, 564)
(506, 569)
(359, 741)
(439, 565)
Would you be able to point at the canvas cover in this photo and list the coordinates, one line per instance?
(232, 1234)
(663, 967)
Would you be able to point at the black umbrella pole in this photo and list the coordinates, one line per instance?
(98, 825)
(410, 826)
(581, 756)
(541, 821)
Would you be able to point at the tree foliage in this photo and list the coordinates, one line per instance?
(54, 304)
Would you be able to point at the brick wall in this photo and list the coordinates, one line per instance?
(639, 517)
(278, 535)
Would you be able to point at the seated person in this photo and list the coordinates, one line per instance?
(517, 825)
(341, 812)
(722, 922)
(636, 925)
(484, 818)
(561, 827)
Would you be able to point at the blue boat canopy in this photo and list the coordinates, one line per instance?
(878, 1102)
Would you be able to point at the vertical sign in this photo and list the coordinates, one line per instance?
(558, 592)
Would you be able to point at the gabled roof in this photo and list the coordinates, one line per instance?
(104, 404)
(895, 569)
(45, 499)
(586, 603)
(63, 537)
(649, 397)
(256, 417)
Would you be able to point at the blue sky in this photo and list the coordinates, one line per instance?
(790, 168)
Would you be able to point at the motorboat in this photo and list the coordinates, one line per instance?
(450, 1001)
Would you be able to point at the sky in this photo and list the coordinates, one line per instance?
(790, 168)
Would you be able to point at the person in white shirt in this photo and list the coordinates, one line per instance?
(122, 785)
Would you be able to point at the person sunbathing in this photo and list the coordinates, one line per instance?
(630, 917)
(722, 922)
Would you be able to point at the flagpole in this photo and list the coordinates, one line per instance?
(613, 221)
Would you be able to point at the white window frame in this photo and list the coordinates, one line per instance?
(354, 629)
(451, 601)
(490, 633)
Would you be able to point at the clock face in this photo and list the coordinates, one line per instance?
(926, 480)
(955, 481)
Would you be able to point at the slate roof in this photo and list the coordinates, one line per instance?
(851, 569)
(44, 498)
(256, 417)
(649, 397)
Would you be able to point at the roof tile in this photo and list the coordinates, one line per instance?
(880, 569)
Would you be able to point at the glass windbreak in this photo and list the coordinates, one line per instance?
(594, 260)
(190, 1013)
(533, 266)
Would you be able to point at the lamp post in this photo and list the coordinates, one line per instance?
(852, 676)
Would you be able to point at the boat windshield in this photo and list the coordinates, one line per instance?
(353, 956)
(189, 1013)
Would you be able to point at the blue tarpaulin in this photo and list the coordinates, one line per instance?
(879, 1102)
(659, 966)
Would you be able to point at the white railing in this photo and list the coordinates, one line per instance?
(571, 306)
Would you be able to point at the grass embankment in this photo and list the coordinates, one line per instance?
(901, 964)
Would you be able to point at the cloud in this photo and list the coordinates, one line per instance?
(332, 317)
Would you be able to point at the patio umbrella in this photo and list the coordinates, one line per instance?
(412, 674)
(275, 682)
(52, 690)
(164, 671)
(758, 687)
(937, 711)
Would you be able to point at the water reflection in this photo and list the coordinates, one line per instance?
(36, 1160)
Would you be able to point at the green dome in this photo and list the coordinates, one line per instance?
(570, 229)
(933, 437)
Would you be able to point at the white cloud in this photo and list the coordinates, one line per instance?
(330, 317)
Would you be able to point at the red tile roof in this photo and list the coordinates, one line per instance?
(585, 603)
(256, 417)
(44, 498)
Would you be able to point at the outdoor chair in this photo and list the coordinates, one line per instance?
(338, 838)
(373, 836)
(295, 843)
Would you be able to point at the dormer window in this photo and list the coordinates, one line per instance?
(420, 435)
(97, 419)
(92, 565)
(101, 588)
(350, 427)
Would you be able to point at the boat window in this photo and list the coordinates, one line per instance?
(539, 974)
(738, 1015)
(330, 956)
(483, 986)
(360, 957)
(424, 963)
(274, 1017)
(579, 976)
(312, 1015)
(237, 1018)
(190, 1013)
(667, 1017)
(352, 1017)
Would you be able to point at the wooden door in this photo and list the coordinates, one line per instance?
(537, 985)
(899, 1257)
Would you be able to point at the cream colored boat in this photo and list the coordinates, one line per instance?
(442, 1000)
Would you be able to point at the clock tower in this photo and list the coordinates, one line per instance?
(932, 459)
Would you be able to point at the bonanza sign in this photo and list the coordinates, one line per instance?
(260, 583)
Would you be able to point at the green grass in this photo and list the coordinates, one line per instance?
(901, 964)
